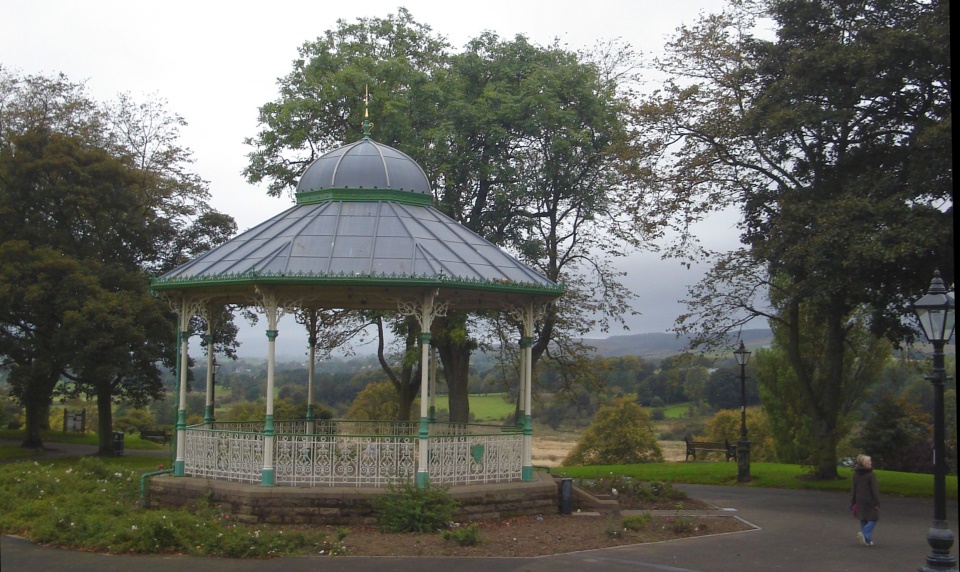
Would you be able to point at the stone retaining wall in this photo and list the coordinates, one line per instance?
(253, 504)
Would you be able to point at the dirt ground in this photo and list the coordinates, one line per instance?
(546, 534)
(530, 536)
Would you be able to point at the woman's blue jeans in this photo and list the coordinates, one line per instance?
(866, 527)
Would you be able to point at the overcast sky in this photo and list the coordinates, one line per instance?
(216, 63)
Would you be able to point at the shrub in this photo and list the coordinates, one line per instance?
(465, 535)
(408, 508)
(620, 433)
(636, 522)
(725, 425)
(94, 506)
(681, 523)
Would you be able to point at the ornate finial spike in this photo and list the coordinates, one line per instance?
(366, 112)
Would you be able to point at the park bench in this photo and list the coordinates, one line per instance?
(161, 436)
(710, 446)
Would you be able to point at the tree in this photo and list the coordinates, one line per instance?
(833, 140)
(723, 388)
(96, 188)
(620, 434)
(725, 426)
(38, 287)
(810, 412)
(898, 436)
(377, 401)
(523, 144)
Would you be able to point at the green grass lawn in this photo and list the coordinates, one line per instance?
(130, 441)
(676, 411)
(768, 475)
(485, 407)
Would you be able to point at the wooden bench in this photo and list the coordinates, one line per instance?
(161, 436)
(710, 446)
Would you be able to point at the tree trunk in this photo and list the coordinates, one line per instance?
(829, 408)
(105, 422)
(826, 450)
(407, 383)
(407, 391)
(454, 347)
(43, 417)
(456, 367)
(32, 438)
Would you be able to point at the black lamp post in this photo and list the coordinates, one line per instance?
(213, 388)
(936, 311)
(743, 445)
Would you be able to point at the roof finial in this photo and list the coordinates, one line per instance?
(366, 112)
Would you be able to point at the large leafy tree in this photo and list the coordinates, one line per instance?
(833, 141)
(620, 433)
(104, 192)
(519, 140)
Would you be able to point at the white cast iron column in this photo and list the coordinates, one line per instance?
(526, 352)
(274, 310)
(186, 308)
(426, 320)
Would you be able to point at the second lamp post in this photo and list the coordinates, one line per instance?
(743, 445)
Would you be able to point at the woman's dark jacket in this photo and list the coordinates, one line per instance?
(866, 494)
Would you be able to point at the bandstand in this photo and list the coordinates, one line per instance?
(363, 235)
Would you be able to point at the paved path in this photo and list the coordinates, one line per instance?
(798, 531)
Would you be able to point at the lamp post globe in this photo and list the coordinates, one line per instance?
(936, 311)
(743, 444)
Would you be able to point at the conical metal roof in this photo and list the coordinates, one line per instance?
(362, 233)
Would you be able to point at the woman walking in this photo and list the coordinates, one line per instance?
(866, 498)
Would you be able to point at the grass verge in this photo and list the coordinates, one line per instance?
(769, 475)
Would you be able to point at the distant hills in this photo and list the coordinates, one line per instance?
(650, 345)
(660, 345)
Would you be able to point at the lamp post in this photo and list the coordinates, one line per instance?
(936, 311)
(743, 445)
(213, 389)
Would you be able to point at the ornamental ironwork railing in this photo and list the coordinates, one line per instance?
(354, 453)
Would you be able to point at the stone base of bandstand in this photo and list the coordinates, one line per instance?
(254, 504)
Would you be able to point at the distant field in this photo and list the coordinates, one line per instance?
(676, 411)
(484, 406)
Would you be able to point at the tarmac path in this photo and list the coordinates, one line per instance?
(797, 531)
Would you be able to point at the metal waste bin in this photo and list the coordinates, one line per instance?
(118, 443)
(566, 496)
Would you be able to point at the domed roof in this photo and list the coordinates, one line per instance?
(365, 164)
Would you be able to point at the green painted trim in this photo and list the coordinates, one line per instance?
(432, 414)
(208, 414)
(144, 499)
(179, 468)
(272, 335)
(527, 342)
(268, 477)
(425, 338)
(528, 424)
(423, 479)
(310, 412)
(268, 426)
(340, 279)
(181, 419)
(424, 432)
(373, 195)
(526, 473)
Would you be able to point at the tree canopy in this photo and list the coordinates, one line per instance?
(833, 140)
(94, 198)
(523, 144)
